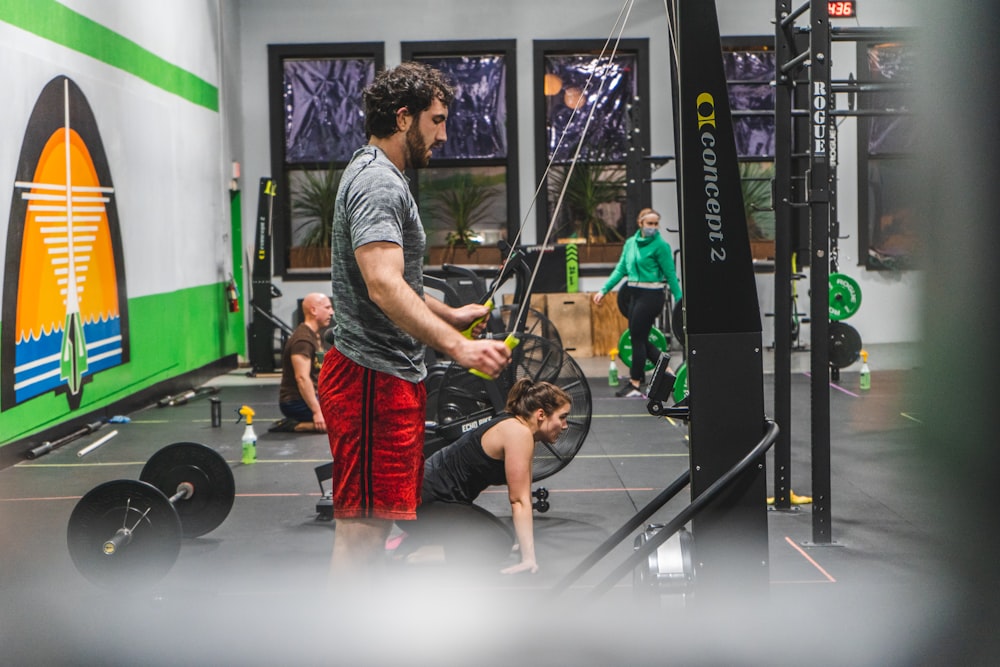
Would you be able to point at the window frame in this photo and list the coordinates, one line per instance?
(865, 159)
(460, 48)
(761, 249)
(638, 193)
(281, 218)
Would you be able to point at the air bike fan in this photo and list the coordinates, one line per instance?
(458, 401)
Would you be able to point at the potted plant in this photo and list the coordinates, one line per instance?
(461, 204)
(755, 183)
(313, 198)
(591, 188)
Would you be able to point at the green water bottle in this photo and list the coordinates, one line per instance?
(249, 439)
(613, 370)
(866, 373)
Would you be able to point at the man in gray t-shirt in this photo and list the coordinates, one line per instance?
(370, 385)
(374, 205)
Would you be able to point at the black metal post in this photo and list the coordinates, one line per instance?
(636, 173)
(783, 46)
(262, 328)
(820, 124)
(723, 343)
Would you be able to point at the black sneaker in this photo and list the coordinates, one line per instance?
(629, 390)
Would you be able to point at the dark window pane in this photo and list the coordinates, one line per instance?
(324, 111)
(754, 131)
(890, 134)
(751, 66)
(566, 79)
(477, 119)
(892, 229)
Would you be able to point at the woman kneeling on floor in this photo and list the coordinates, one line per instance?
(498, 452)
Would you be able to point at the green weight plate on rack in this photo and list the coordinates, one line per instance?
(681, 383)
(845, 296)
(656, 337)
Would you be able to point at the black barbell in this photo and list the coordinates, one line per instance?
(128, 532)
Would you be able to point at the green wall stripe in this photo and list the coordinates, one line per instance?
(62, 25)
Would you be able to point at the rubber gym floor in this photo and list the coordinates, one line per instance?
(255, 590)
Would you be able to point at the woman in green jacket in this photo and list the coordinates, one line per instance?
(648, 263)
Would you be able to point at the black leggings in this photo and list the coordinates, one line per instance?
(470, 534)
(646, 305)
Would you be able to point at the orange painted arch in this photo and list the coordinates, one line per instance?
(45, 261)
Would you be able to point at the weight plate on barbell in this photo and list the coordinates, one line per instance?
(208, 473)
(845, 344)
(126, 503)
(656, 337)
(845, 296)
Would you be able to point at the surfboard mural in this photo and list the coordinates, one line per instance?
(65, 311)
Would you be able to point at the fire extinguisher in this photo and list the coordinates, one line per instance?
(233, 295)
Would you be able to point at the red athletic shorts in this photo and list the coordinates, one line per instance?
(375, 422)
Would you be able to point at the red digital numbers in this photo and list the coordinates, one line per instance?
(842, 9)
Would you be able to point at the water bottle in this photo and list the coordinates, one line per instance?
(613, 370)
(866, 373)
(215, 411)
(249, 439)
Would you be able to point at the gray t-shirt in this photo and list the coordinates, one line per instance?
(374, 203)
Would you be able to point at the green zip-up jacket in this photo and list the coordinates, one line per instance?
(645, 259)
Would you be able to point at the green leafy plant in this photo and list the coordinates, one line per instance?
(312, 205)
(461, 204)
(755, 182)
(590, 185)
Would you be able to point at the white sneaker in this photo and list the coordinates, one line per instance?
(629, 390)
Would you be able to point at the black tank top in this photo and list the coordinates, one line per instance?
(462, 470)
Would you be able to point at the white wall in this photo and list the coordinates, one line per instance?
(169, 191)
(889, 310)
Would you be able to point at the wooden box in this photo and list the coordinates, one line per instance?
(608, 324)
(537, 301)
(570, 313)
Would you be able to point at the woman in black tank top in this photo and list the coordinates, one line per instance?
(499, 452)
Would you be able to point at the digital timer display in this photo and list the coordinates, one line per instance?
(842, 9)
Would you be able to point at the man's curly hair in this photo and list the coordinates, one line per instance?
(411, 85)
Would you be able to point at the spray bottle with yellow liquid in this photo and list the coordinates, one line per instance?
(865, 377)
(249, 439)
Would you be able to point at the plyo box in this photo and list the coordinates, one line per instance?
(608, 324)
(570, 313)
(536, 302)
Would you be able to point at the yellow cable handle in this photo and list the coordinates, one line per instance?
(511, 342)
(247, 412)
(489, 307)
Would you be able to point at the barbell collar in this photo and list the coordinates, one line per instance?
(121, 538)
(184, 492)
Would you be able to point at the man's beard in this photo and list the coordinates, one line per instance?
(416, 150)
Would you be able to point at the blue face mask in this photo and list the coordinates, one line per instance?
(649, 231)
